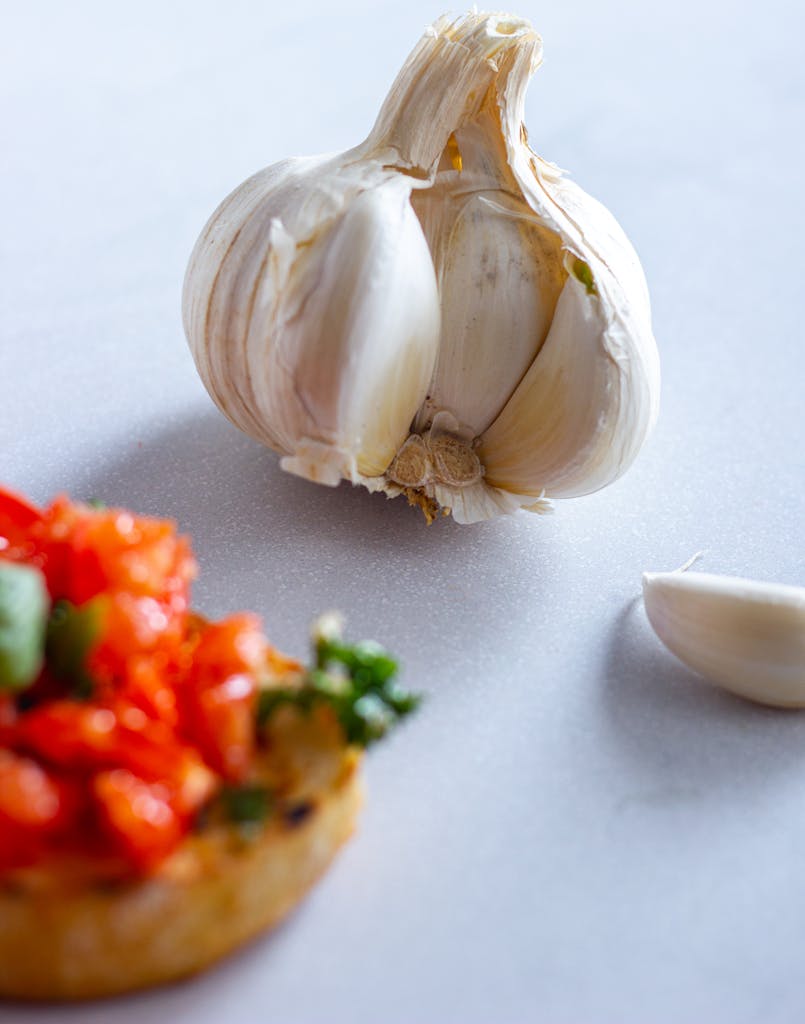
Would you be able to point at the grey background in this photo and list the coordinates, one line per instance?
(573, 829)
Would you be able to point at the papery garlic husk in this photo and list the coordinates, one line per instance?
(437, 312)
(745, 636)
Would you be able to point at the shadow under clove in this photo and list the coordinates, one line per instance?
(673, 725)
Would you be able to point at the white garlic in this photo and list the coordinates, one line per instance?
(745, 636)
(437, 312)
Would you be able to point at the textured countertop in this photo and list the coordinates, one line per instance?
(573, 829)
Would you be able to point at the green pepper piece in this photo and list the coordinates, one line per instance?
(71, 634)
(24, 606)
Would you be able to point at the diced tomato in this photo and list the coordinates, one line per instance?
(69, 734)
(8, 718)
(87, 737)
(141, 572)
(138, 817)
(17, 511)
(140, 623)
(149, 747)
(149, 685)
(220, 718)
(33, 805)
(219, 697)
(17, 516)
(18, 848)
(90, 551)
(230, 647)
(28, 796)
(170, 713)
(134, 629)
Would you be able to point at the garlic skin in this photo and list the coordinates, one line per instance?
(746, 637)
(437, 312)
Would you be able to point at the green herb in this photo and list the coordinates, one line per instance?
(246, 805)
(581, 271)
(356, 680)
(97, 504)
(71, 633)
(23, 615)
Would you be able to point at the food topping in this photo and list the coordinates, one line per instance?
(126, 720)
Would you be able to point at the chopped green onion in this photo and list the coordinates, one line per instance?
(356, 680)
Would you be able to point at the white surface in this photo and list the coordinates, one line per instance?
(573, 829)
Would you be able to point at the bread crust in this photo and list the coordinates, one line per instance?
(68, 936)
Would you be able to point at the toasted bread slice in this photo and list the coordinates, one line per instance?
(65, 934)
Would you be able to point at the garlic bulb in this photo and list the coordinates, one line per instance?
(745, 636)
(437, 312)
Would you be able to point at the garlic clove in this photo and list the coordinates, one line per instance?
(318, 335)
(360, 357)
(500, 275)
(746, 637)
(581, 412)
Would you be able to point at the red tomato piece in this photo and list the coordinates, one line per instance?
(18, 849)
(17, 511)
(8, 718)
(17, 516)
(149, 685)
(28, 795)
(219, 697)
(69, 734)
(137, 816)
(148, 747)
(135, 630)
(33, 805)
(220, 720)
(89, 551)
(73, 735)
(172, 703)
(111, 549)
(230, 647)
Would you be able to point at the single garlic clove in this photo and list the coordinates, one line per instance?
(500, 276)
(360, 358)
(745, 636)
(581, 412)
(318, 333)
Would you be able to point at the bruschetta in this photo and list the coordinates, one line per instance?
(170, 787)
